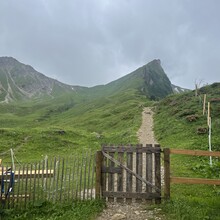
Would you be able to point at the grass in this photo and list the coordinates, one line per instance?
(69, 125)
(72, 123)
(173, 130)
(41, 210)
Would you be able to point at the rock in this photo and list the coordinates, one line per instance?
(137, 213)
(202, 130)
(118, 216)
(192, 118)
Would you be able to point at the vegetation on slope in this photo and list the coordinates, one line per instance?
(68, 119)
(177, 120)
(69, 125)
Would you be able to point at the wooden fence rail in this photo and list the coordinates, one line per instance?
(168, 179)
(58, 179)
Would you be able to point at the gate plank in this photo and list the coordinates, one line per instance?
(120, 177)
(149, 170)
(129, 175)
(111, 170)
(139, 170)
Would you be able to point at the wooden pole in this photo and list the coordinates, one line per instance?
(210, 143)
(98, 184)
(157, 173)
(166, 173)
(208, 116)
(204, 104)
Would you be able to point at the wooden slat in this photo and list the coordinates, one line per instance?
(195, 152)
(98, 185)
(104, 175)
(149, 170)
(111, 169)
(194, 180)
(135, 195)
(131, 149)
(62, 179)
(54, 178)
(129, 175)
(74, 178)
(80, 182)
(78, 177)
(93, 174)
(120, 177)
(57, 178)
(26, 187)
(139, 162)
(84, 180)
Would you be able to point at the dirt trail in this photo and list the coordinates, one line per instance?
(137, 211)
(146, 133)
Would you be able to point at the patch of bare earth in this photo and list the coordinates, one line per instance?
(135, 211)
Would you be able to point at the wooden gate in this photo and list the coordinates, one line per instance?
(129, 173)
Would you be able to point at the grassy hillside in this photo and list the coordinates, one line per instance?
(69, 124)
(178, 119)
(60, 119)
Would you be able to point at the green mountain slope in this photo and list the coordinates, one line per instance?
(180, 117)
(21, 82)
(180, 123)
(61, 119)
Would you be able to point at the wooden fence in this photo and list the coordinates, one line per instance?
(171, 179)
(57, 179)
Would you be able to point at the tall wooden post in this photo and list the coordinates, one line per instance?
(204, 104)
(157, 173)
(208, 115)
(98, 183)
(166, 173)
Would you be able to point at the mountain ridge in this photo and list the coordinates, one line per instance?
(19, 81)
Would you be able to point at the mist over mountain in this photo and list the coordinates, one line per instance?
(22, 82)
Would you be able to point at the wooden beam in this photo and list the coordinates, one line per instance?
(194, 180)
(136, 195)
(11, 196)
(131, 149)
(31, 173)
(195, 152)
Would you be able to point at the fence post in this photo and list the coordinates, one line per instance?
(157, 172)
(98, 183)
(166, 173)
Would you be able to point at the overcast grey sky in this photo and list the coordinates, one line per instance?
(92, 42)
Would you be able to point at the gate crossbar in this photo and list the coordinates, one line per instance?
(130, 171)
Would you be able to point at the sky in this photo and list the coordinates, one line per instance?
(93, 42)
